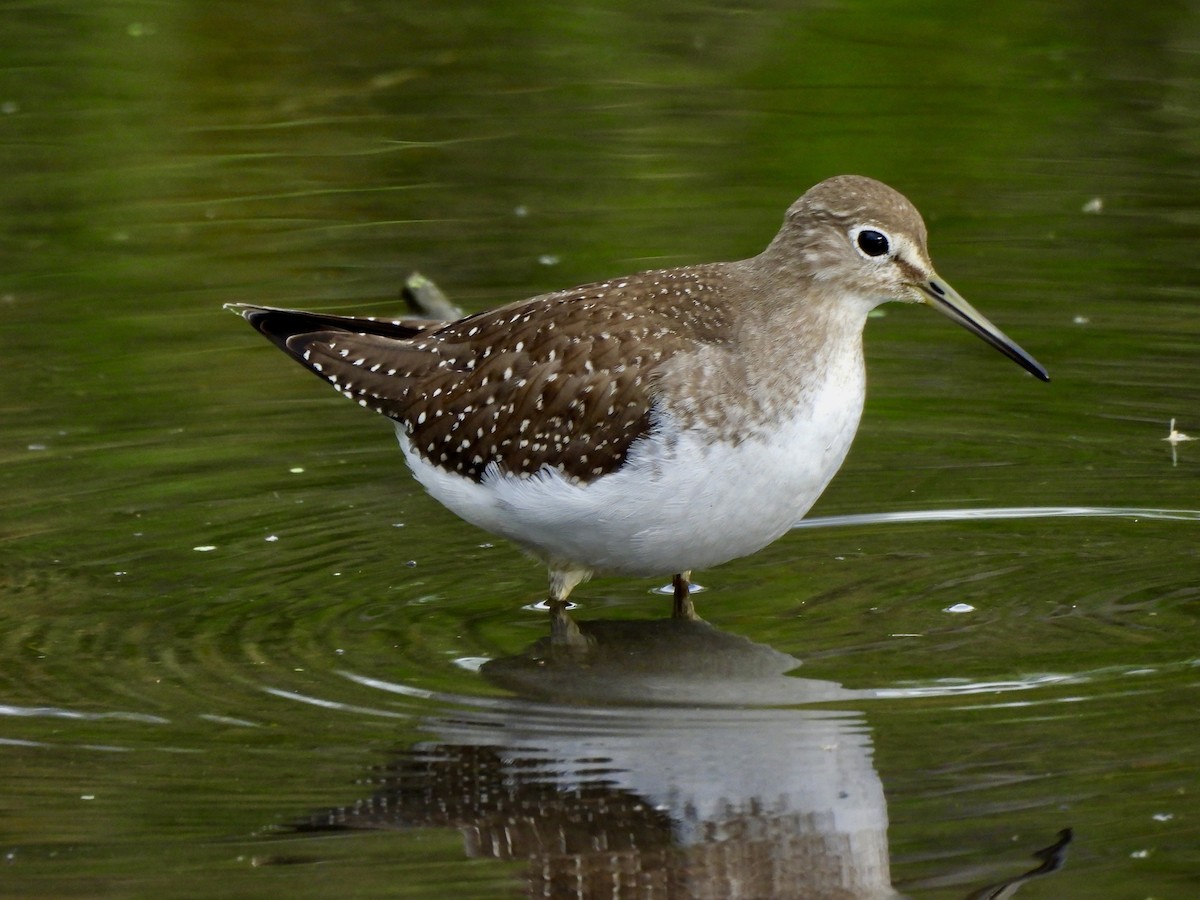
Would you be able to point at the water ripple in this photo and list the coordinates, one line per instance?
(1001, 512)
(55, 712)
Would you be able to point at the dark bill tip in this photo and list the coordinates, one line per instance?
(947, 301)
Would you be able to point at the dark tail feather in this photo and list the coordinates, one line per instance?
(277, 325)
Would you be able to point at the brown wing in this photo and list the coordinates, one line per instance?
(564, 380)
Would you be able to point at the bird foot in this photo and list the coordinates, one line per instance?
(564, 633)
(682, 607)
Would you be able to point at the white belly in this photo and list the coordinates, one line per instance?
(675, 505)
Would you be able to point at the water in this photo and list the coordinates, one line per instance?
(243, 653)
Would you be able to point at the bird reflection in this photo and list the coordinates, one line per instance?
(1053, 858)
(650, 759)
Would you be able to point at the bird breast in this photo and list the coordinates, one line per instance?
(686, 497)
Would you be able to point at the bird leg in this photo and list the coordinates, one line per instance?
(682, 607)
(564, 633)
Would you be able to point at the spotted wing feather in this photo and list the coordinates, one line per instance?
(565, 381)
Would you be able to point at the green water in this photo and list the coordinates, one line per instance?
(241, 653)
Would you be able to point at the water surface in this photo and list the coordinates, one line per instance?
(241, 648)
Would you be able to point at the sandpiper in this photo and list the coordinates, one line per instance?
(651, 424)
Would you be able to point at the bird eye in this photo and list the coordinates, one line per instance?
(872, 242)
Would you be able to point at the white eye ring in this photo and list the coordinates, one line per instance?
(872, 243)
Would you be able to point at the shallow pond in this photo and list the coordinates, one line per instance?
(242, 653)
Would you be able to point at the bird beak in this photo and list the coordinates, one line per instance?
(946, 299)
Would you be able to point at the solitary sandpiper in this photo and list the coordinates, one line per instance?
(655, 423)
